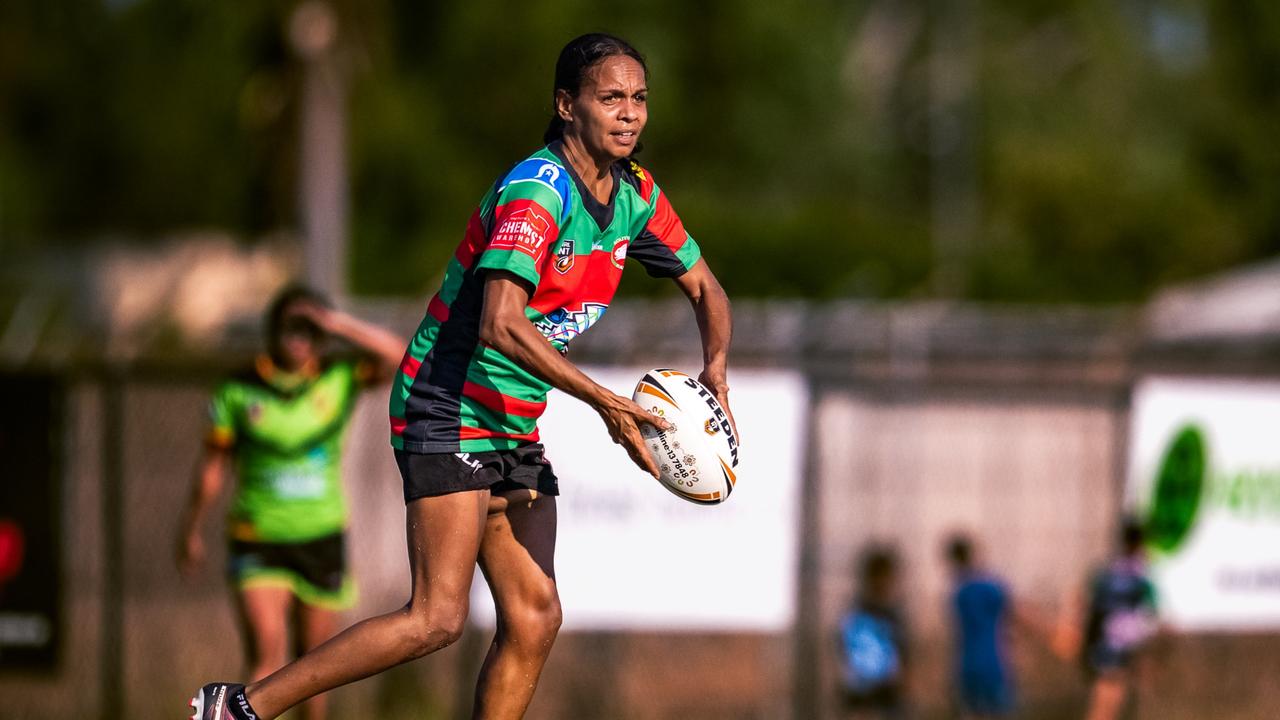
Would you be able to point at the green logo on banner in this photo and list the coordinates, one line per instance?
(1179, 488)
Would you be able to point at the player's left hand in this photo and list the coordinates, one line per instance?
(715, 381)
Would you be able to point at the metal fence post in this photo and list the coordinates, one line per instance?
(112, 647)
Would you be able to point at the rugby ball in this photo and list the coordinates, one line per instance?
(696, 458)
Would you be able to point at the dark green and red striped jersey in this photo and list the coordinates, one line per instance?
(538, 221)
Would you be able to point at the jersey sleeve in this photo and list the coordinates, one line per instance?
(222, 419)
(662, 246)
(532, 202)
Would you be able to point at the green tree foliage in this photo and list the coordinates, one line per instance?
(139, 117)
(1118, 145)
(1125, 146)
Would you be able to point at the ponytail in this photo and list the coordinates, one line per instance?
(555, 130)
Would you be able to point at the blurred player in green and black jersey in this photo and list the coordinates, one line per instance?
(280, 425)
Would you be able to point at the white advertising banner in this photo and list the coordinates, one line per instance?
(630, 555)
(1204, 473)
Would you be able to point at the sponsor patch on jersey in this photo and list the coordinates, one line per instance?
(619, 254)
(550, 171)
(525, 230)
(564, 256)
(541, 172)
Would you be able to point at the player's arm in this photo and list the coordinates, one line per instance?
(665, 249)
(1031, 621)
(1069, 637)
(504, 327)
(385, 347)
(715, 324)
(206, 486)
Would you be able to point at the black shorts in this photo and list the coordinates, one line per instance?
(314, 570)
(432, 474)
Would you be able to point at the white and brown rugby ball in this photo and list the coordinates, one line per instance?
(696, 458)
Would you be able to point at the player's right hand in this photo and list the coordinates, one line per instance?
(623, 418)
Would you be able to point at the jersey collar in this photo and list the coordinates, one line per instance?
(284, 380)
(602, 213)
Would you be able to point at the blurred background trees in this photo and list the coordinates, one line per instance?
(1109, 147)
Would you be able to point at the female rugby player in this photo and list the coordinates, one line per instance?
(281, 424)
(540, 261)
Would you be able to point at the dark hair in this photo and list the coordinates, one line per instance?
(1132, 535)
(277, 321)
(577, 57)
(878, 562)
(960, 550)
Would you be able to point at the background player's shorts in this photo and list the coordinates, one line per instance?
(1102, 658)
(985, 693)
(314, 571)
(432, 474)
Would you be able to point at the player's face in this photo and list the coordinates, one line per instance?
(296, 343)
(296, 349)
(610, 109)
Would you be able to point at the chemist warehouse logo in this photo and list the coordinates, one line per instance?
(525, 229)
(1186, 486)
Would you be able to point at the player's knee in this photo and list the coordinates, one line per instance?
(537, 617)
(435, 627)
(265, 655)
(553, 617)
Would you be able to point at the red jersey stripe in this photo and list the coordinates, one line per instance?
(500, 403)
(471, 433)
(410, 365)
(398, 425)
(646, 181)
(666, 225)
(589, 278)
(437, 309)
(472, 242)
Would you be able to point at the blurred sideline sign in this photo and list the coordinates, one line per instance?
(630, 555)
(1204, 473)
(30, 522)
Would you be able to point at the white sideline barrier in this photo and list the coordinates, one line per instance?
(632, 556)
(1224, 574)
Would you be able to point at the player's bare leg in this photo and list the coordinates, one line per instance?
(1107, 696)
(516, 557)
(264, 612)
(444, 538)
(315, 626)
